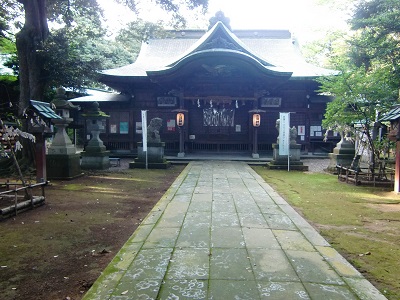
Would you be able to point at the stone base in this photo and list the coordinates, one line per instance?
(142, 165)
(255, 155)
(95, 161)
(294, 153)
(343, 154)
(155, 157)
(63, 167)
(155, 153)
(280, 162)
(345, 160)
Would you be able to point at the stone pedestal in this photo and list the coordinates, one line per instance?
(155, 157)
(95, 161)
(343, 154)
(281, 161)
(63, 166)
(62, 160)
(95, 155)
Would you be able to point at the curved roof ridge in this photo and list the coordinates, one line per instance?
(206, 52)
(206, 40)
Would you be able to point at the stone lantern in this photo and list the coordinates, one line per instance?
(62, 160)
(343, 154)
(256, 122)
(95, 155)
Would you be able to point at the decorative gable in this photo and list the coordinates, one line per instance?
(219, 42)
(219, 37)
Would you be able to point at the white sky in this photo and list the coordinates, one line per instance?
(305, 18)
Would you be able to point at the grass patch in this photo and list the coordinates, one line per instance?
(362, 223)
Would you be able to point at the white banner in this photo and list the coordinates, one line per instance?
(144, 129)
(284, 134)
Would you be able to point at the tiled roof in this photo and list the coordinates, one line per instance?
(285, 53)
(100, 96)
(275, 49)
(44, 110)
(392, 115)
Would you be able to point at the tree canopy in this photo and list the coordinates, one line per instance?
(369, 77)
(369, 66)
(76, 46)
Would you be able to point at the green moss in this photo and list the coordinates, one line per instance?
(73, 187)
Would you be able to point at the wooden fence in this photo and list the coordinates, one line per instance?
(15, 197)
(365, 176)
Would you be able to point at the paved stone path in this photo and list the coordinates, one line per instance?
(221, 232)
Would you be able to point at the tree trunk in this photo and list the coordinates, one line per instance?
(29, 43)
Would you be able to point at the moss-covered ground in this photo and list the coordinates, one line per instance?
(363, 223)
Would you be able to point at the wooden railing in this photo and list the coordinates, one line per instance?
(218, 147)
(17, 197)
(366, 176)
(117, 145)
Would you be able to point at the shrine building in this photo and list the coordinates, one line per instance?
(227, 88)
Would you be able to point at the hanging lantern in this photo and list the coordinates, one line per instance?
(180, 119)
(256, 120)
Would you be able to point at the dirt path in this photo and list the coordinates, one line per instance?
(58, 250)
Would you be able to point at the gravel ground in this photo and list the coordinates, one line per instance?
(315, 165)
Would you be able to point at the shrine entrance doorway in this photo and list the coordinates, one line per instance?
(219, 125)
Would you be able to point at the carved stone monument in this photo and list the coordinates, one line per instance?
(281, 161)
(155, 149)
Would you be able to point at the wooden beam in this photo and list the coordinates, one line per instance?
(220, 98)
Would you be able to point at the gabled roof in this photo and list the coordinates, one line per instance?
(273, 51)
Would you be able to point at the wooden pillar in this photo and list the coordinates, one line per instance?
(255, 142)
(40, 157)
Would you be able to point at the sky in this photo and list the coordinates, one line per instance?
(304, 18)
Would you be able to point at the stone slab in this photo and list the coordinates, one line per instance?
(237, 239)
